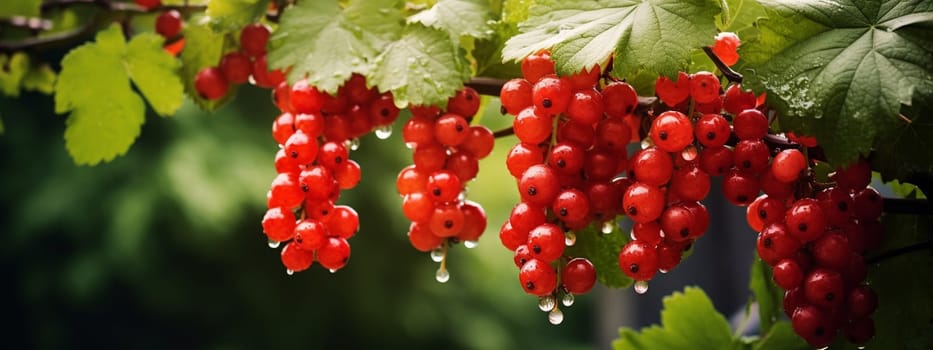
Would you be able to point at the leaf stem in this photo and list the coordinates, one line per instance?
(730, 74)
(919, 246)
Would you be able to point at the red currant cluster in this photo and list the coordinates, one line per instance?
(238, 67)
(573, 137)
(669, 177)
(816, 246)
(314, 134)
(446, 154)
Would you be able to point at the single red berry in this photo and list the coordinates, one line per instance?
(447, 220)
(586, 107)
(211, 84)
(751, 156)
(306, 98)
(263, 77)
(418, 131)
(805, 220)
(237, 68)
(586, 78)
(712, 130)
(566, 158)
(253, 39)
(853, 177)
(787, 274)
(551, 95)
(653, 166)
(464, 165)
(669, 254)
(283, 127)
(296, 259)
(832, 251)
(671, 131)
(516, 95)
(673, 93)
(465, 102)
(149, 4)
(690, 183)
(479, 142)
(750, 124)
(861, 302)
(579, 276)
(735, 100)
(286, 191)
(776, 244)
(638, 260)
(677, 223)
(451, 129)
(537, 65)
(168, 24)
(310, 234)
(824, 288)
(421, 237)
(643, 202)
(417, 206)
(474, 221)
(571, 205)
(648, 232)
(538, 185)
(868, 204)
(619, 99)
(410, 180)
(537, 277)
(764, 211)
(612, 135)
(444, 186)
(521, 256)
(813, 325)
(546, 242)
(726, 47)
(788, 164)
(704, 87)
(521, 157)
(533, 126)
(279, 224)
(510, 237)
(740, 188)
(334, 254)
(301, 147)
(716, 161)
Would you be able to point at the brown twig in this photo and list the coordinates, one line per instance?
(730, 74)
(30, 23)
(919, 246)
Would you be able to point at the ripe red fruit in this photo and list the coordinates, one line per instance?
(571, 205)
(813, 325)
(417, 207)
(832, 251)
(643, 202)
(861, 302)
(279, 224)
(263, 76)
(638, 260)
(334, 254)
(740, 188)
(533, 126)
(168, 24)
(716, 161)
(253, 39)
(751, 156)
(704, 87)
(537, 277)
(868, 204)
(310, 234)
(301, 147)
(474, 221)
(579, 276)
(788, 164)
(853, 177)
(447, 220)
(306, 98)
(735, 100)
(585, 78)
(619, 99)
(444, 186)
(712, 130)
(465, 102)
(690, 183)
(824, 288)
(211, 84)
(776, 244)
(586, 107)
(236, 68)
(149, 4)
(521, 157)
(537, 65)
(551, 95)
(343, 221)
(726, 46)
(410, 180)
(516, 95)
(750, 124)
(677, 223)
(421, 237)
(806, 220)
(451, 129)
(283, 127)
(673, 93)
(286, 191)
(787, 274)
(546, 242)
(671, 131)
(653, 166)
(538, 185)
(479, 142)
(296, 259)
(860, 331)
(763, 211)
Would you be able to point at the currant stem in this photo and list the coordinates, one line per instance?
(727, 71)
(920, 246)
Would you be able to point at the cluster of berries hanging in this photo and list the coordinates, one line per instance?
(446, 151)
(238, 67)
(573, 135)
(316, 133)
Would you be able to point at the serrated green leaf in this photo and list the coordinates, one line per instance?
(210, 48)
(515, 11)
(457, 17)
(106, 115)
(781, 337)
(658, 36)
(603, 251)
(422, 68)
(14, 70)
(232, 15)
(903, 284)
(154, 73)
(841, 70)
(688, 321)
(28, 8)
(40, 78)
(903, 153)
(767, 295)
(327, 44)
(742, 17)
(488, 54)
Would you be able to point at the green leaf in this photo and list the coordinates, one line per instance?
(40, 78)
(688, 321)
(488, 54)
(903, 284)
(457, 17)
(232, 15)
(422, 68)
(94, 85)
(515, 11)
(327, 44)
(903, 153)
(767, 295)
(28, 8)
(154, 72)
(841, 70)
(14, 69)
(742, 17)
(781, 337)
(1, 126)
(603, 251)
(658, 36)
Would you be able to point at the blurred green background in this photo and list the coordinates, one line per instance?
(163, 248)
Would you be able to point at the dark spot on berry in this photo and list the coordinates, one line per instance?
(469, 97)
(684, 232)
(762, 214)
(345, 259)
(768, 242)
(819, 331)
(842, 206)
(629, 109)
(530, 285)
(633, 268)
(448, 224)
(384, 112)
(663, 135)
(742, 198)
(632, 211)
(561, 163)
(532, 191)
(710, 135)
(502, 110)
(547, 103)
(325, 212)
(522, 261)
(830, 296)
(563, 211)
(436, 191)
(802, 227)
(747, 164)
(459, 128)
(304, 188)
(536, 248)
(338, 160)
(294, 154)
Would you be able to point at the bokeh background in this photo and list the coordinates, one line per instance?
(162, 248)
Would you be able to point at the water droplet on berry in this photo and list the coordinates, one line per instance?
(570, 239)
(437, 255)
(442, 275)
(470, 244)
(274, 244)
(383, 132)
(662, 270)
(410, 145)
(567, 300)
(354, 144)
(332, 270)
(632, 235)
(641, 287)
(646, 143)
(289, 272)
(608, 226)
(546, 303)
(689, 153)
(555, 317)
